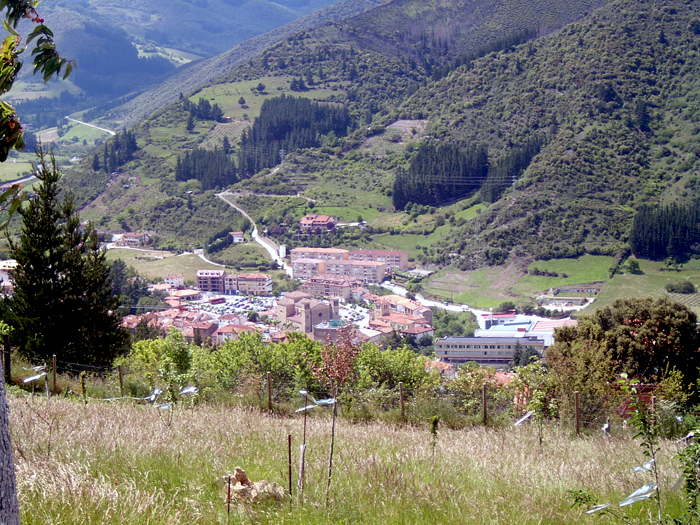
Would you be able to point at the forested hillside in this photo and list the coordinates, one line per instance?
(614, 100)
(365, 64)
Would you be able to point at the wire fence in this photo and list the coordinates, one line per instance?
(488, 404)
(455, 406)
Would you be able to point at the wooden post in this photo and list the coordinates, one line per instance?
(228, 499)
(53, 372)
(289, 456)
(578, 414)
(484, 407)
(653, 410)
(8, 371)
(48, 388)
(269, 391)
(83, 388)
(401, 401)
(121, 381)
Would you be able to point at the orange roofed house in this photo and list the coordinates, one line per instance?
(314, 223)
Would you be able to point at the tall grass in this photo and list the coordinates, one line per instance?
(128, 463)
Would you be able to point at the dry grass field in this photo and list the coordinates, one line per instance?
(128, 463)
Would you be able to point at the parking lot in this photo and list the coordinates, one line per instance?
(235, 304)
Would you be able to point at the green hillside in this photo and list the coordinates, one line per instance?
(613, 98)
(368, 63)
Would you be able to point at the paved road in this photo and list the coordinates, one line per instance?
(91, 125)
(266, 243)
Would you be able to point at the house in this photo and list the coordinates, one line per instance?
(317, 223)
(398, 322)
(7, 270)
(232, 332)
(176, 281)
(402, 305)
(325, 285)
(491, 351)
(205, 330)
(237, 237)
(418, 332)
(211, 280)
(136, 239)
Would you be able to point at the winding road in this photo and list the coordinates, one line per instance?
(91, 125)
(266, 243)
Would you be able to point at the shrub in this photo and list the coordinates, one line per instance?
(681, 287)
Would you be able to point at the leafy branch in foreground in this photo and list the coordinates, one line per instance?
(45, 58)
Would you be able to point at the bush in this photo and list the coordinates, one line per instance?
(681, 287)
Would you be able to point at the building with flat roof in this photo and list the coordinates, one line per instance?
(490, 351)
(211, 280)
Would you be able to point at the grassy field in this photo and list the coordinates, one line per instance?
(227, 95)
(349, 213)
(245, 257)
(585, 269)
(126, 463)
(650, 283)
(155, 264)
(489, 286)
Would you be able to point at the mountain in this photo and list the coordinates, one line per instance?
(568, 131)
(614, 101)
(370, 63)
(123, 47)
(194, 75)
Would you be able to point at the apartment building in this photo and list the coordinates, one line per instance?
(325, 285)
(365, 271)
(304, 269)
(394, 260)
(255, 283)
(211, 280)
(322, 254)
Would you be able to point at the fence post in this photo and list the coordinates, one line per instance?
(289, 463)
(484, 408)
(83, 388)
(578, 414)
(8, 372)
(653, 410)
(53, 372)
(269, 391)
(401, 401)
(121, 381)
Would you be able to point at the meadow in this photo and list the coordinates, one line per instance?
(128, 463)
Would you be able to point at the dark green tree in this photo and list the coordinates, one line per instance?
(63, 302)
(646, 338)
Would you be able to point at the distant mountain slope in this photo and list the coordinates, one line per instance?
(194, 75)
(616, 98)
(201, 27)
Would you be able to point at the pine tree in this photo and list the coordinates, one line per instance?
(63, 302)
